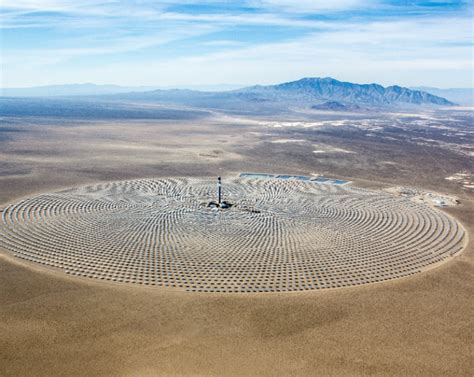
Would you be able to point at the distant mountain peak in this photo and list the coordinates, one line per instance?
(329, 89)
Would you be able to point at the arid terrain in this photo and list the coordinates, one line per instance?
(55, 324)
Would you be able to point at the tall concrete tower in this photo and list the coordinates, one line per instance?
(219, 190)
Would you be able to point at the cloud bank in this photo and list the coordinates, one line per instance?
(180, 43)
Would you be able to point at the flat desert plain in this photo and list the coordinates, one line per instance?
(56, 324)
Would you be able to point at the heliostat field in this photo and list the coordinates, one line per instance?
(277, 236)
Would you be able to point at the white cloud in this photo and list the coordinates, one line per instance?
(413, 51)
(372, 52)
(290, 5)
(305, 6)
(61, 6)
(96, 46)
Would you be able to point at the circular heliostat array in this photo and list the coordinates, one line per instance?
(277, 236)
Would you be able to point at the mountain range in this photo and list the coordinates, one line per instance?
(346, 93)
(461, 96)
(307, 93)
(89, 89)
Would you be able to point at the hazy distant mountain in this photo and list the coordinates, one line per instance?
(329, 89)
(69, 90)
(209, 88)
(304, 93)
(462, 96)
(307, 93)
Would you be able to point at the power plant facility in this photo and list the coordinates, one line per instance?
(252, 235)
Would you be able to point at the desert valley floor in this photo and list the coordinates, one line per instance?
(53, 323)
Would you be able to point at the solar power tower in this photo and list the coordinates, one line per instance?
(219, 190)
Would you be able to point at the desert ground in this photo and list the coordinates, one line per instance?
(422, 325)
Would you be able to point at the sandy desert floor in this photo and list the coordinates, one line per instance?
(53, 324)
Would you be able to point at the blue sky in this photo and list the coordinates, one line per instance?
(179, 43)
